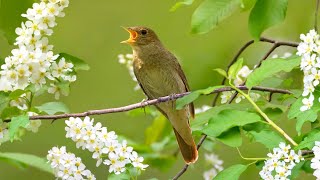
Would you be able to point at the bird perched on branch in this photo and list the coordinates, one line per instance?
(159, 74)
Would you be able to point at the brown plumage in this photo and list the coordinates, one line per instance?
(159, 74)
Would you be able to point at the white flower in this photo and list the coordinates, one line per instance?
(210, 174)
(315, 162)
(67, 165)
(307, 103)
(34, 125)
(280, 163)
(225, 96)
(102, 143)
(3, 130)
(202, 109)
(127, 60)
(214, 160)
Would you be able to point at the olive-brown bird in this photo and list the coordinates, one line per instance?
(159, 74)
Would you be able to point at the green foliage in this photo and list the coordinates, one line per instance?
(27, 160)
(180, 103)
(4, 100)
(310, 138)
(122, 176)
(235, 68)
(266, 14)
(16, 123)
(9, 112)
(227, 119)
(181, 3)
(10, 17)
(268, 138)
(154, 131)
(247, 4)
(221, 72)
(270, 67)
(78, 63)
(53, 108)
(162, 162)
(231, 173)
(210, 13)
(232, 137)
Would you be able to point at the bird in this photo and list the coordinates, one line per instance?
(159, 74)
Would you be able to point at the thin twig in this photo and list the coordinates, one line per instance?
(146, 103)
(316, 16)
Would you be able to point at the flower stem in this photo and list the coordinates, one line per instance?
(275, 126)
(250, 159)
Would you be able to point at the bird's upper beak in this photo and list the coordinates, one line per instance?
(133, 36)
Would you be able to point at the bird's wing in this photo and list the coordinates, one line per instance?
(184, 79)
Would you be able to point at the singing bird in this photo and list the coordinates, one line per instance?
(159, 74)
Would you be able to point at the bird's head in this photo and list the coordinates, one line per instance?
(140, 36)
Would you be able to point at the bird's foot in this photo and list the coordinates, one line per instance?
(144, 104)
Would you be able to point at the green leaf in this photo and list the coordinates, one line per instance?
(221, 72)
(162, 162)
(10, 17)
(16, 123)
(16, 94)
(308, 141)
(78, 63)
(227, 119)
(28, 159)
(309, 115)
(231, 173)
(270, 67)
(122, 176)
(4, 100)
(265, 14)
(295, 172)
(235, 68)
(153, 132)
(210, 13)
(180, 103)
(247, 4)
(232, 137)
(9, 112)
(53, 108)
(181, 3)
(268, 138)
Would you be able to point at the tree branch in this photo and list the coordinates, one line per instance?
(146, 103)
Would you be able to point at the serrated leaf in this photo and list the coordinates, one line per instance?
(266, 14)
(235, 68)
(221, 72)
(53, 108)
(269, 68)
(210, 13)
(28, 159)
(153, 132)
(231, 173)
(181, 102)
(308, 141)
(16, 123)
(227, 119)
(78, 63)
(10, 17)
(181, 3)
(268, 138)
(232, 137)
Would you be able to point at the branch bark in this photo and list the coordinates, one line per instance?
(146, 103)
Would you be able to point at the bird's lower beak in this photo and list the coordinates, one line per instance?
(132, 38)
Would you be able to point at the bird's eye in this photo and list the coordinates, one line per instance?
(144, 32)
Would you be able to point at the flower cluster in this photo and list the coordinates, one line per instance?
(67, 166)
(280, 162)
(202, 109)
(127, 61)
(33, 62)
(315, 162)
(102, 143)
(309, 50)
(240, 79)
(214, 161)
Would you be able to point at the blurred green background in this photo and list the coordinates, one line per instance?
(91, 30)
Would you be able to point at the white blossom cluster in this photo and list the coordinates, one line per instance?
(67, 166)
(285, 55)
(315, 162)
(280, 163)
(216, 164)
(202, 109)
(309, 50)
(102, 143)
(33, 62)
(240, 79)
(127, 61)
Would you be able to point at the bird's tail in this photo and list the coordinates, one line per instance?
(189, 152)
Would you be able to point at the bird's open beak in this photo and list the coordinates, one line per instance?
(132, 38)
